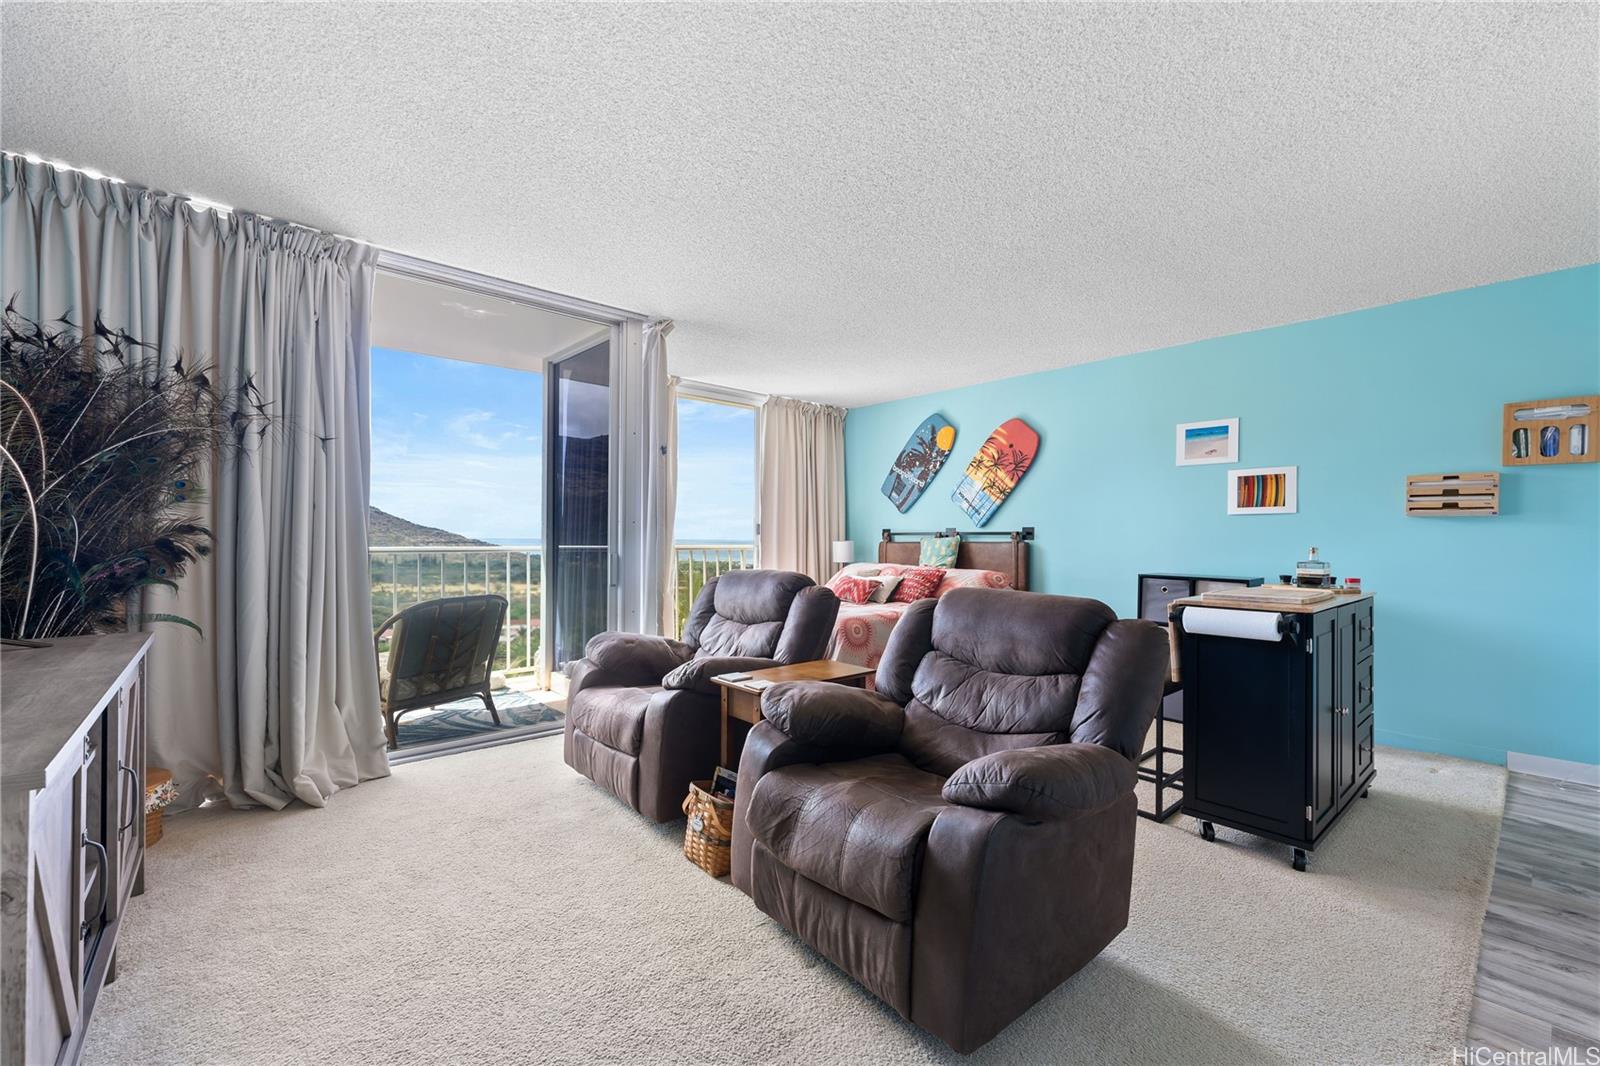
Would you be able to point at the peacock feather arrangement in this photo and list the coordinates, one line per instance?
(103, 449)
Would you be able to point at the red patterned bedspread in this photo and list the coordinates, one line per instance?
(862, 630)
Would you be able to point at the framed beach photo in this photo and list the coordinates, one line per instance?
(1264, 490)
(1216, 441)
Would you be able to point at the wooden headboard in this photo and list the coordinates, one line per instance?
(1002, 550)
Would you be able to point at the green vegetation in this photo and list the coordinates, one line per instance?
(694, 572)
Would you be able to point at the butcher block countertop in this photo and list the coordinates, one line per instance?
(1271, 598)
(48, 697)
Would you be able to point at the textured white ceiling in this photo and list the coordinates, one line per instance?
(852, 203)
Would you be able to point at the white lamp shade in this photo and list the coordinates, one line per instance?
(844, 551)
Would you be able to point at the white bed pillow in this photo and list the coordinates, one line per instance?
(885, 589)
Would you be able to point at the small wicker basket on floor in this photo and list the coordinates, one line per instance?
(159, 791)
(708, 838)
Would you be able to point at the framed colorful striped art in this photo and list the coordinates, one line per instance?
(1264, 490)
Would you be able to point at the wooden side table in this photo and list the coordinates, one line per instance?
(741, 703)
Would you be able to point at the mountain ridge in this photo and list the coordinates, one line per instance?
(387, 530)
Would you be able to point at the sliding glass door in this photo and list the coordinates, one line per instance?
(578, 521)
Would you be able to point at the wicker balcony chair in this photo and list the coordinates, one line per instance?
(442, 650)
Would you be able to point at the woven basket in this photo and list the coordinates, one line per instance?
(158, 792)
(708, 838)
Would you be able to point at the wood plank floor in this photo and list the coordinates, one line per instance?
(1538, 982)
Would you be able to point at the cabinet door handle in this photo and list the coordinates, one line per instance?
(124, 768)
(100, 909)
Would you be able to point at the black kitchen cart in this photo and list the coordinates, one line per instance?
(1278, 735)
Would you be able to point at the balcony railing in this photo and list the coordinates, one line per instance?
(410, 574)
(699, 563)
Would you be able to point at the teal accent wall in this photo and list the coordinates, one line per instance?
(1487, 629)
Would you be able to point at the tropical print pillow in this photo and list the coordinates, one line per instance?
(938, 551)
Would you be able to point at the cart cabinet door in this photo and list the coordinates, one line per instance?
(1324, 719)
(1346, 700)
(1244, 756)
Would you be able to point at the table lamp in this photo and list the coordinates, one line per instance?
(844, 552)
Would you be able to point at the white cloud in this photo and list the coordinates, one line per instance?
(489, 432)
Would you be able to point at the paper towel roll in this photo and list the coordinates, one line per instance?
(1222, 622)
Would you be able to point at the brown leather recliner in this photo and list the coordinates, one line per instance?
(960, 841)
(643, 716)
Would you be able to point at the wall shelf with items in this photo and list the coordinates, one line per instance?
(1539, 432)
(1453, 494)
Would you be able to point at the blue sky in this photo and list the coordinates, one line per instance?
(458, 446)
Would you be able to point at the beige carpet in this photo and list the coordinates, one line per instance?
(494, 907)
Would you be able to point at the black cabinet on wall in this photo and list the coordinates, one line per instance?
(1278, 734)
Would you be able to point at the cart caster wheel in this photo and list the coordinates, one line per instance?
(1300, 859)
(1366, 792)
(1208, 831)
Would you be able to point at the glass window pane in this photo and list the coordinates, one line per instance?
(715, 523)
(580, 499)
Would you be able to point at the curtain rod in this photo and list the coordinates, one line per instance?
(430, 270)
(199, 203)
(1025, 533)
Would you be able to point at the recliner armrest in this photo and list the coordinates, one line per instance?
(1052, 781)
(635, 658)
(825, 715)
(696, 674)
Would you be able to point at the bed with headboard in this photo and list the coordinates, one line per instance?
(984, 559)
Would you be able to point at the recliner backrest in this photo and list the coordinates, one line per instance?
(743, 612)
(985, 670)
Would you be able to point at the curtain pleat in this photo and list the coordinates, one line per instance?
(279, 699)
(661, 481)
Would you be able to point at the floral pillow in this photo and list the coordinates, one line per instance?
(851, 589)
(917, 583)
(938, 551)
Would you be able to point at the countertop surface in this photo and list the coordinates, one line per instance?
(47, 694)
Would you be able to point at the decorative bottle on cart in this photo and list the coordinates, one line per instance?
(1313, 572)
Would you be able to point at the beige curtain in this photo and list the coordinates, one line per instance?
(279, 699)
(661, 480)
(802, 486)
